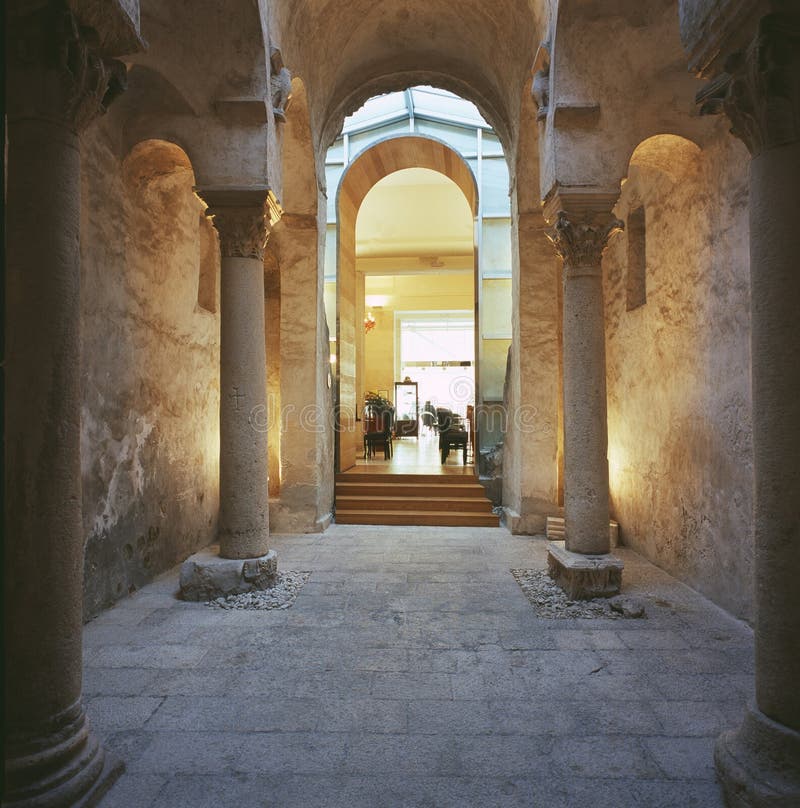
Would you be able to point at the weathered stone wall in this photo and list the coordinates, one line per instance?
(150, 360)
(679, 403)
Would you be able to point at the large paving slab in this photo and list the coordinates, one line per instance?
(412, 671)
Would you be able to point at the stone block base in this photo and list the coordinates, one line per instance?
(584, 577)
(759, 763)
(205, 576)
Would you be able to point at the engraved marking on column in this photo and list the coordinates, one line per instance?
(236, 396)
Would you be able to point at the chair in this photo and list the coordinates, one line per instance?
(471, 422)
(452, 434)
(379, 440)
(453, 439)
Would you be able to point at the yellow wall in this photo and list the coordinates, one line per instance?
(436, 292)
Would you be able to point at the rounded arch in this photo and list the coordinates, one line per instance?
(350, 52)
(375, 162)
(396, 153)
(154, 157)
(348, 101)
(670, 154)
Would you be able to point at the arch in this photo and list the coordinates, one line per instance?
(154, 157)
(369, 167)
(154, 109)
(398, 80)
(380, 159)
(350, 52)
(672, 155)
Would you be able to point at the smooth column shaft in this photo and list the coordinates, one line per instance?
(50, 754)
(585, 424)
(243, 462)
(775, 290)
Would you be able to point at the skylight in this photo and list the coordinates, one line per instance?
(429, 103)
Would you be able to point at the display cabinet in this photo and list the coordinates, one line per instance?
(406, 404)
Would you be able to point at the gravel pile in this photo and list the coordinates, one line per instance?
(280, 596)
(550, 601)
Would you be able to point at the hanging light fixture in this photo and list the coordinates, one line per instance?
(369, 323)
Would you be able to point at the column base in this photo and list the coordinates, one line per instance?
(759, 763)
(206, 576)
(584, 577)
(68, 766)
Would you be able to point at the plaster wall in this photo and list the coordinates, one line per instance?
(679, 400)
(642, 80)
(150, 360)
(532, 393)
(530, 452)
(303, 499)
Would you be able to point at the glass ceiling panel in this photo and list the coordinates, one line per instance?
(427, 102)
(377, 110)
(430, 102)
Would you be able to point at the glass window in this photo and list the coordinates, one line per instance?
(333, 174)
(490, 145)
(361, 140)
(495, 310)
(336, 152)
(445, 339)
(376, 110)
(494, 186)
(461, 139)
(496, 247)
(432, 102)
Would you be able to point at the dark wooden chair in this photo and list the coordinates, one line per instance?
(379, 440)
(452, 434)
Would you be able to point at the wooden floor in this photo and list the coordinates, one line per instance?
(413, 488)
(415, 456)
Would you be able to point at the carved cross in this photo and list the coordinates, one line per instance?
(236, 396)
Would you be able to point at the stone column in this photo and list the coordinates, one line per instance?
(580, 233)
(56, 86)
(759, 763)
(240, 216)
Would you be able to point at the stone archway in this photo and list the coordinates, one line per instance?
(368, 168)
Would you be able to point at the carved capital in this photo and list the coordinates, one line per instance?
(56, 71)
(240, 216)
(581, 242)
(763, 88)
(242, 230)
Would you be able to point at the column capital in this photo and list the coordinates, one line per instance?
(762, 85)
(56, 69)
(581, 241)
(242, 217)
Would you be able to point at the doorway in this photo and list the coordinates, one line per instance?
(409, 277)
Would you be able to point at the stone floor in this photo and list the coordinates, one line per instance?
(412, 671)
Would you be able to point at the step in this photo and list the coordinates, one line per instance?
(424, 490)
(441, 518)
(458, 504)
(427, 479)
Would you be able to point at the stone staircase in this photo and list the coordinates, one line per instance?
(413, 499)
